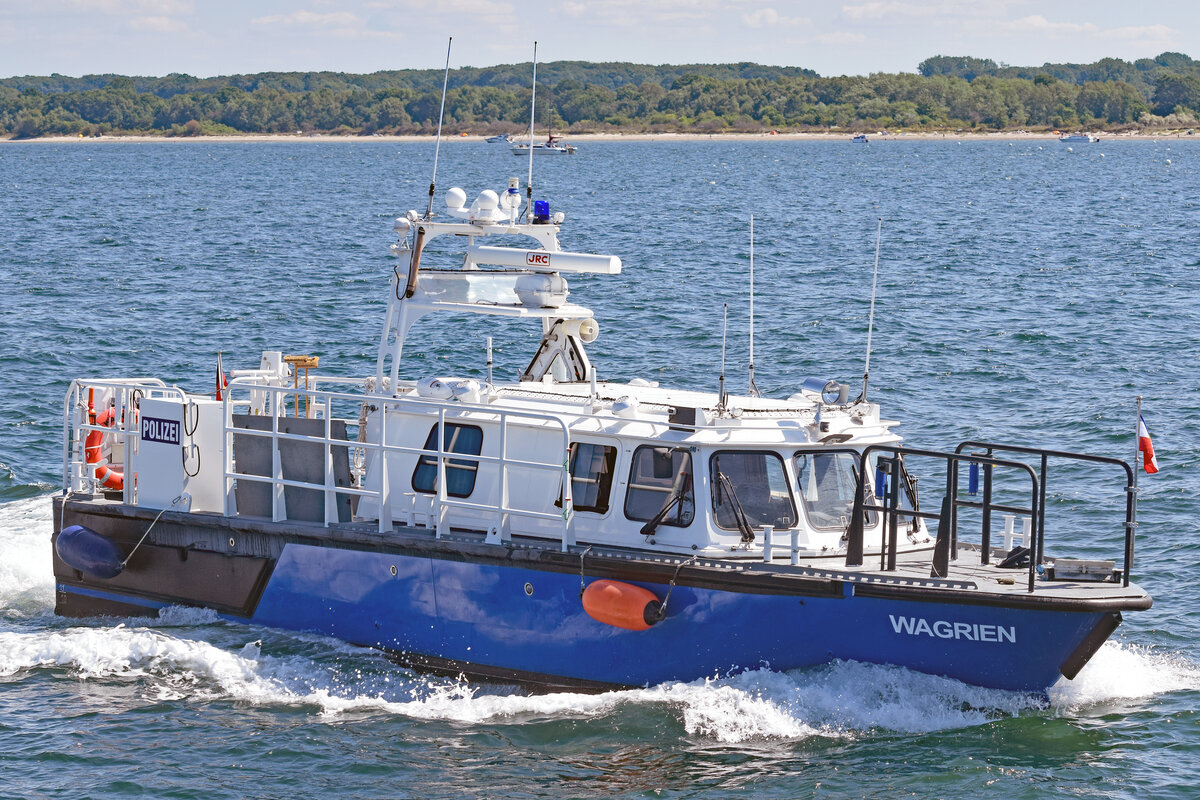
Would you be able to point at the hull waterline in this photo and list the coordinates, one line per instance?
(514, 614)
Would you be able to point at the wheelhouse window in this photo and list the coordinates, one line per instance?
(660, 483)
(826, 483)
(460, 472)
(750, 490)
(591, 476)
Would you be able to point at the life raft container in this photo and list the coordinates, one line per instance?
(93, 452)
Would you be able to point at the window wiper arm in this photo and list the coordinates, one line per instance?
(649, 528)
(738, 512)
(676, 496)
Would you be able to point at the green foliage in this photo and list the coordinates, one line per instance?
(958, 66)
(1173, 92)
(950, 92)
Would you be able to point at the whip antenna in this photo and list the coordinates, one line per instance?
(532, 106)
(438, 145)
(871, 317)
(721, 380)
(753, 388)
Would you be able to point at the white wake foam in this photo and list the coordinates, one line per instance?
(26, 568)
(1120, 672)
(840, 700)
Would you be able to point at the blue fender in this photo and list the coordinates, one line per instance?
(89, 552)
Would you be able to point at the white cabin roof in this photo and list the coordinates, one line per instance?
(631, 411)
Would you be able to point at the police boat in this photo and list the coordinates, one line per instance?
(566, 532)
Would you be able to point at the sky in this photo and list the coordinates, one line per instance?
(851, 37)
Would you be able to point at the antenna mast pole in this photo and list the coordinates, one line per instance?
(438, 146)
(753, 387)
(871, 317)
(721, 380)
(532, 107)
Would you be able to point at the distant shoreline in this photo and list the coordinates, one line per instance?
(1002, 136)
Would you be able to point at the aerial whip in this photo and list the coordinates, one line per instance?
(438, 145)
(871, 317)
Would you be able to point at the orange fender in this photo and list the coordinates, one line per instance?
(93, 453)
(621, 605)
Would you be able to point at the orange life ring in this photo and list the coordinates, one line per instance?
(108, 476)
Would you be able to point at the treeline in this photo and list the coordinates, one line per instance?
(1143, 74)
(506, 76)
(580, 97)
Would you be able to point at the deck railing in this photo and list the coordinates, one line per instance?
(1044, 457)
(383, 489)
(79, 412)
(983, 457)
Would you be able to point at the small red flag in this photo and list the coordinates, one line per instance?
(221, 382)
(1149, 462)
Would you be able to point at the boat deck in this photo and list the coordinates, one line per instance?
(967, 580)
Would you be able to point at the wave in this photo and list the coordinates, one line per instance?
(843, 700)
(1122, 672)
(26, 572)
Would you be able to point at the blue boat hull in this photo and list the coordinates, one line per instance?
(529, 622)
(516, 615)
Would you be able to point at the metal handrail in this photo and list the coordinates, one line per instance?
(1044, 456)
(122, 388)
(947, 536)
(382, 493)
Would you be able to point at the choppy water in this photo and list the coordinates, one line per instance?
(1027, 293)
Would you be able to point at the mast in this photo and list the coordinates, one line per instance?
(532, 106)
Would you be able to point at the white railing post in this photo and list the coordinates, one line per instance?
(502, 532)
(768, 531)
(441, 492)
(278, 502)
(331, 512)
(385, 483)
(227, 468)
(795, 532)
(568, 533)
(69, 406)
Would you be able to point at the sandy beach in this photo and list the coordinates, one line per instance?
(1009, 136)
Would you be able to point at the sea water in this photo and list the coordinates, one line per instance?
(1027, 292)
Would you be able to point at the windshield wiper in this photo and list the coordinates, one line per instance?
(743, 523)
(675, 497)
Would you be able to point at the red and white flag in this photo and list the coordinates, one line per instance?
(1146, 446)
(221, 382)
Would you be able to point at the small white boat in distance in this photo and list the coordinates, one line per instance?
(503, 138)
(552, 146)
(1072, 138)
(861, 139)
